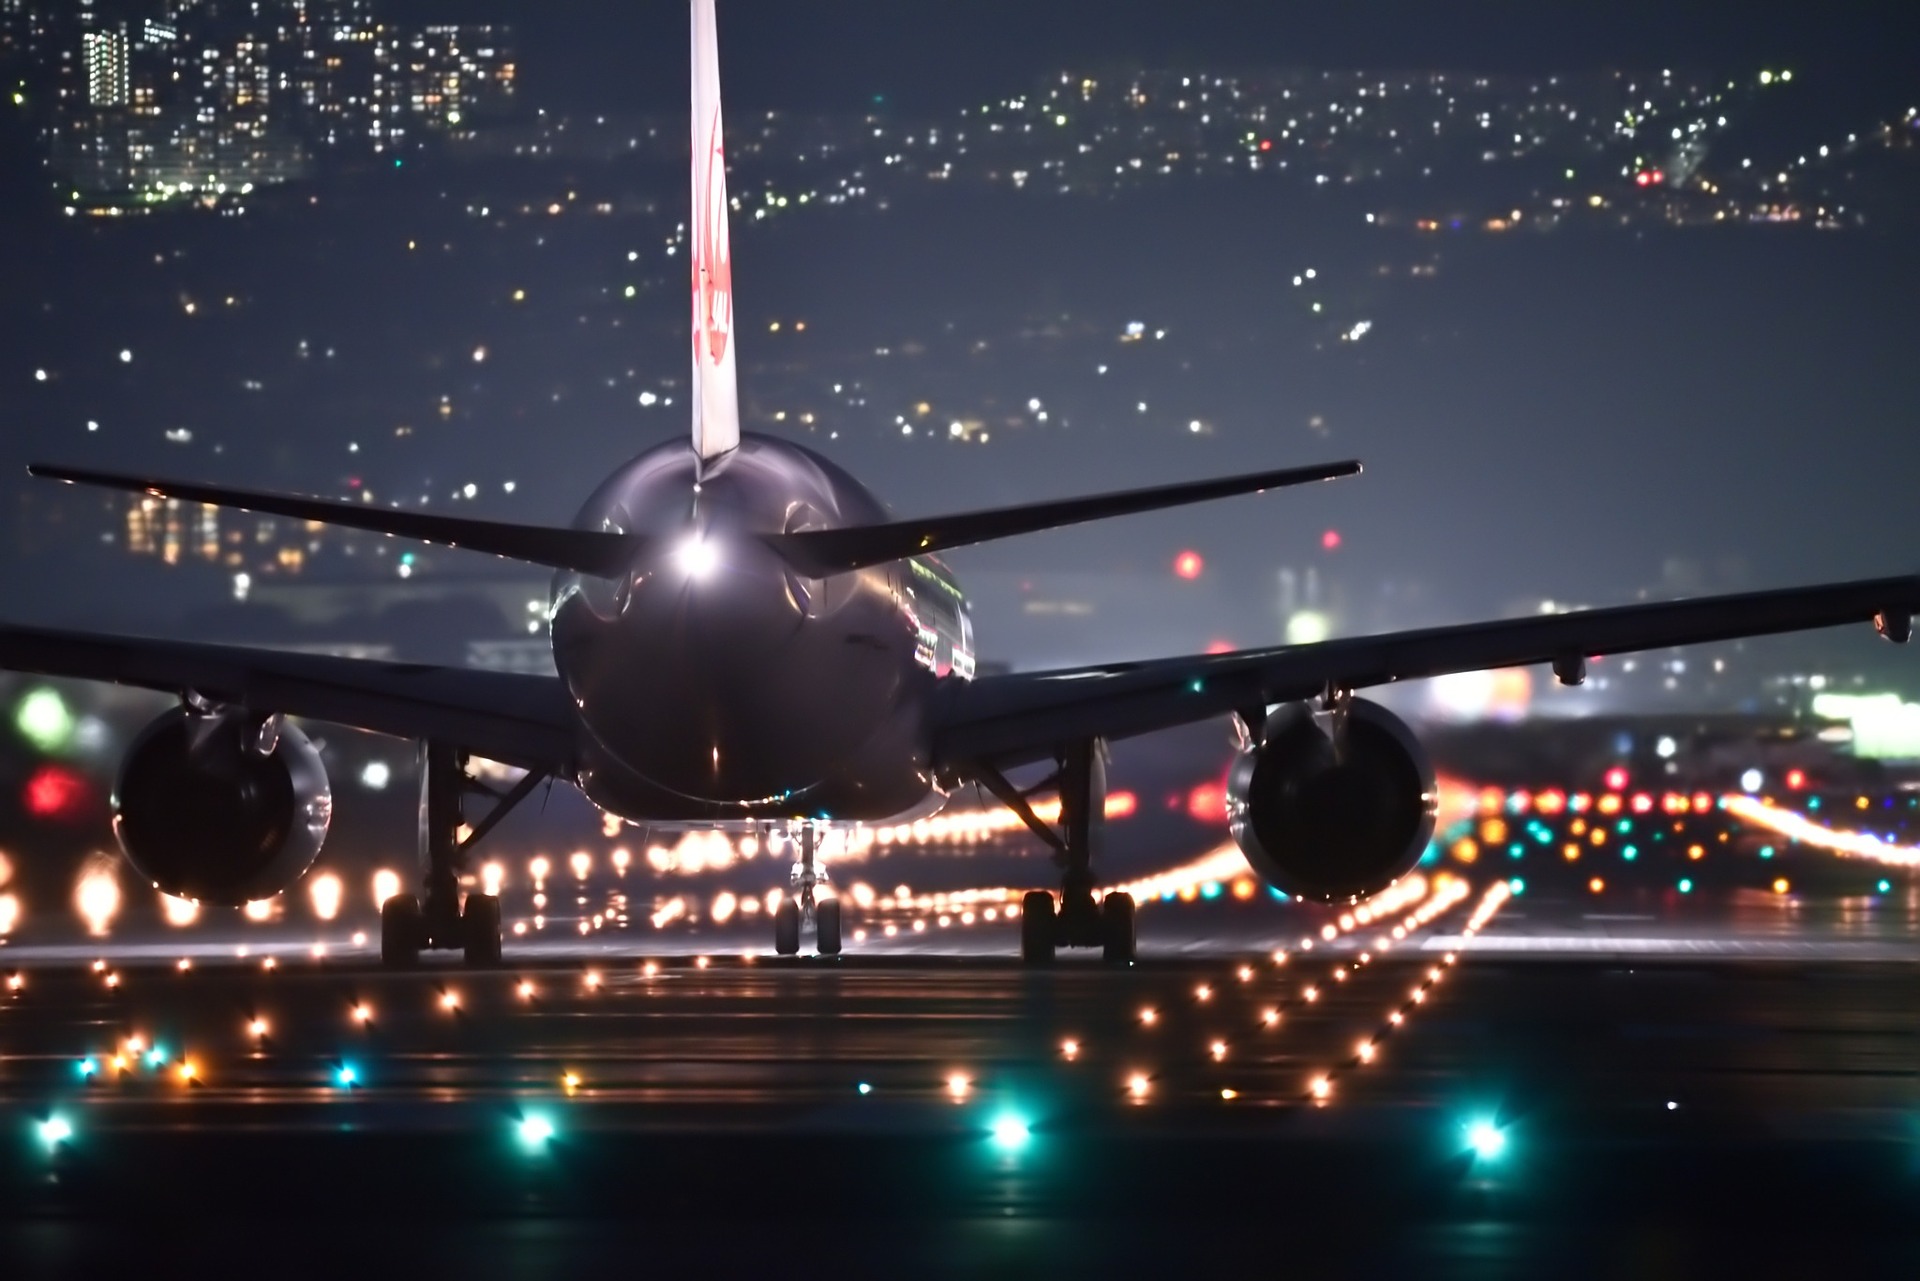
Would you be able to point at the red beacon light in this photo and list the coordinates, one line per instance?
(1796, 779)
(1616, 779)
(1188, 565)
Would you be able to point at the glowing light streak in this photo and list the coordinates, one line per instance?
(1798, 827)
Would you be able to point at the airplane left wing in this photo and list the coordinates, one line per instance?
(517, 720)
(1009, 720)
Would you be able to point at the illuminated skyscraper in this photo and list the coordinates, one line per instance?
(107, 75)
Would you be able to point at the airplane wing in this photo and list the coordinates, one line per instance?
(1009, 720)
(517, 720)
(816, 553)
(585, 550)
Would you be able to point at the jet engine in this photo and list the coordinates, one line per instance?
(1332, 808)
(221, 806)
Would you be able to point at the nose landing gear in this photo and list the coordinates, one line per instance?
(804, 905)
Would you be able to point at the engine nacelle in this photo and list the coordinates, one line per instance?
(219, 808)
(1332, 823)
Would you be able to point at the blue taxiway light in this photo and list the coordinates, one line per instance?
(1486, 1139)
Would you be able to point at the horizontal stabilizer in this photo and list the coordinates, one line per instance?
(819, 552)
(587, 551)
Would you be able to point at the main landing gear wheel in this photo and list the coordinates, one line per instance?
(1036, 928)
(786, 927)
(403, 928)
(826, 927)
(1116, 929)
(480, 930)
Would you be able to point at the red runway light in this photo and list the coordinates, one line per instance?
(1188, 565)
(54, 792)
(1330, 540)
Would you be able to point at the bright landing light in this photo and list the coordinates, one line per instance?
(1486, 1140)
(697, 557)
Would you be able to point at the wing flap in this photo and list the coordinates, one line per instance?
(517, 720)
(587, 551)
(1008, 719)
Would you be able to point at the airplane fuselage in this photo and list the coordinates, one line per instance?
(715, 684)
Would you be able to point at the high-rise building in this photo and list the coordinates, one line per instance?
(105, 51)
(452, 75)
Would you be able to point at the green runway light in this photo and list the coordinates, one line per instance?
(346, 1077)
(865, 1088)
(1885, 886)
(536, 1131)
(43, 720)
(1517, 886)
(1686, 885)
(55, 1130)
(87, 1067)
(1486, 1140)
(1010, 1133)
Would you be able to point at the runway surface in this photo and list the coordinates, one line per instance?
(1560, 1092)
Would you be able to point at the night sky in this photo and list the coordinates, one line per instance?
(838, 53)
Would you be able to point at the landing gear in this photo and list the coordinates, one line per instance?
(401, 929)
(480, 928)
(1078, 919)
(1116, 928)
(1036, 928)
(786, 927)
(410, 924)
(802, 905)
(826, 927)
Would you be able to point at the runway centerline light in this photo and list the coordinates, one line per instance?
(1486, 1139)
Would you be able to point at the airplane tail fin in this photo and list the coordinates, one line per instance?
(716, 396)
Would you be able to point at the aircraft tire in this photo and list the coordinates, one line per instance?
(480, 930)
(402, 929)
(826, 927)
(1037, 928)
(786, 927)
(1116, 929)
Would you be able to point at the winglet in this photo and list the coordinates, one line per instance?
(716, 395)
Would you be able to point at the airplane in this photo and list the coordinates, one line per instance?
(744, 638)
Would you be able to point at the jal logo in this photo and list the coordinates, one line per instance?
(712, 268)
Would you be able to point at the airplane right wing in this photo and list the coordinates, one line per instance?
(1010, 720)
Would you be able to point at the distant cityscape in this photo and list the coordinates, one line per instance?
(208, 102)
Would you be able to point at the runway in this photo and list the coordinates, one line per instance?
(1329, 1108)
